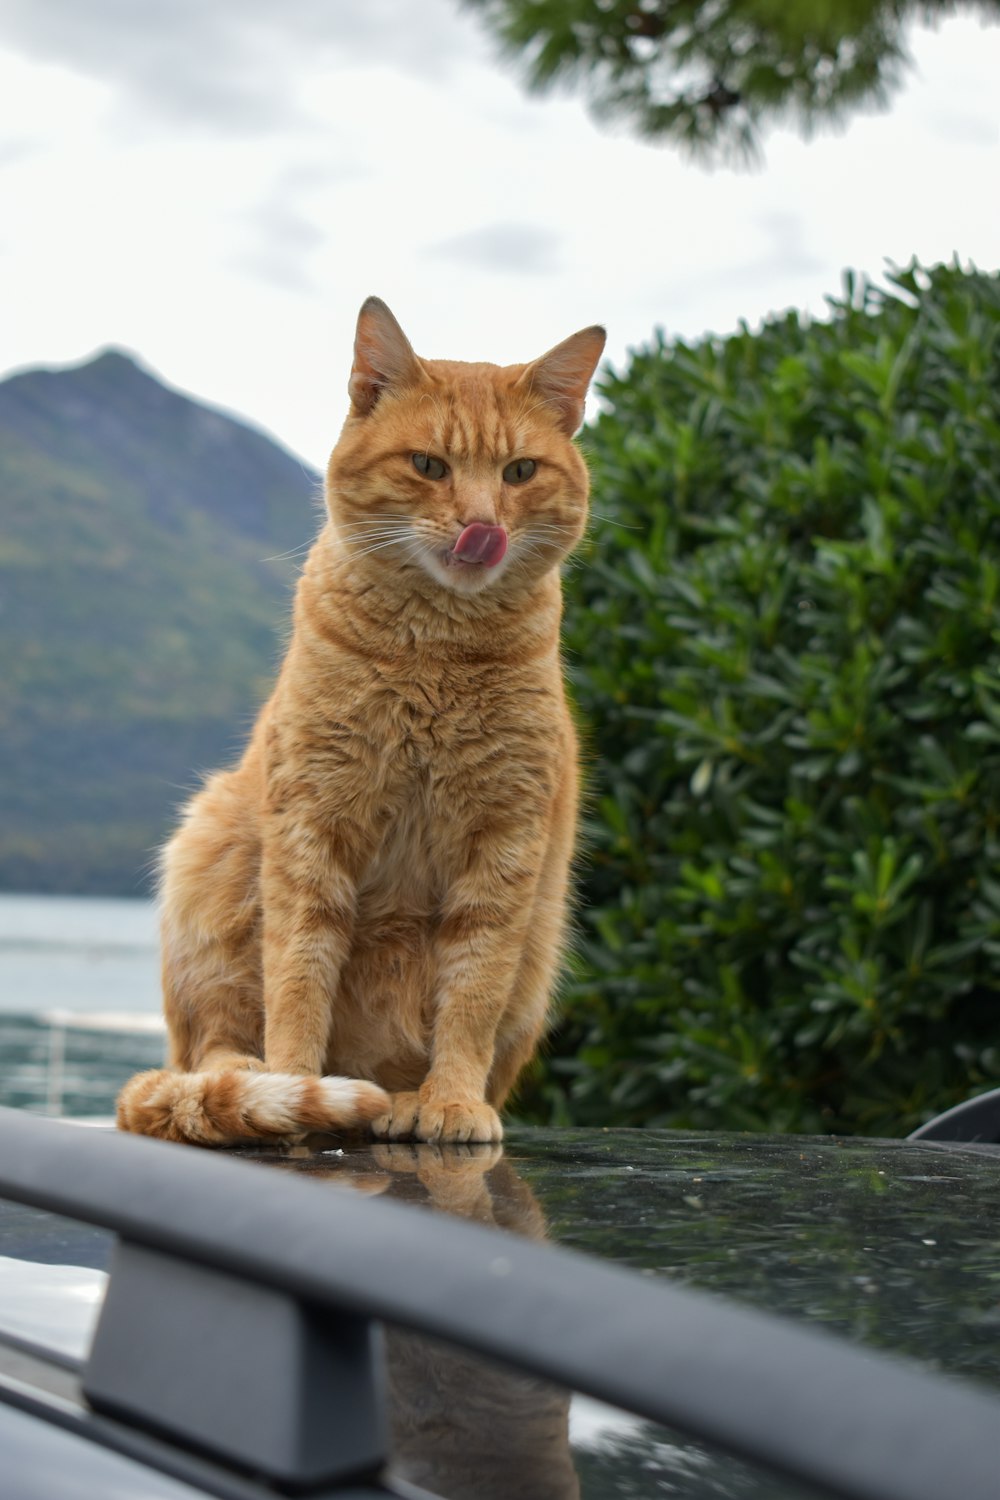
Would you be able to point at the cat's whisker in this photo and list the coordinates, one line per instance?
(388, 524)
(382, 530)
(554, 538)
(372, 536)
(376, 547)
(362, 536)
(292, 552)
(394, 541)
(612, 522)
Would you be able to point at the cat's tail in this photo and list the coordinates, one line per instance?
(223, 1109)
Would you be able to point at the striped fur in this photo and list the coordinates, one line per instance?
(224, 1109)
(378, 890)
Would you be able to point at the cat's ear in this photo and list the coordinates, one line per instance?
(562, 376)
(383, 359)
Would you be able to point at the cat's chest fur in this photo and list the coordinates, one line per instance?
(455, 749)
(430, 750)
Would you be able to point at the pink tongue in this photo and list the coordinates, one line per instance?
(481, 544)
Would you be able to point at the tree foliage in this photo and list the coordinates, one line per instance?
(785, 640)
(708, 75)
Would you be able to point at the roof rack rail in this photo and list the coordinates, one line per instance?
(214, 1257)
(975, 1120)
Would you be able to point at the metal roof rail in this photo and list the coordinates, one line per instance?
(217, 1258)
(974, 1120)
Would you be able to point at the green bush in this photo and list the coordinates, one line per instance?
(784, 638)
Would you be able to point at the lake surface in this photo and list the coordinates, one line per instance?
(79, 1000)
(78, 953)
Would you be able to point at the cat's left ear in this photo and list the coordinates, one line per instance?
(383, 358)
(562, 376)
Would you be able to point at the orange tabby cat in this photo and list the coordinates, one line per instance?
(378, 890)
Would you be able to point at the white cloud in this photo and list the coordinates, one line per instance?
(219, 186)
(518, 249)
(229, 66)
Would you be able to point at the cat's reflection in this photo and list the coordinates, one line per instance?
(460, 1426)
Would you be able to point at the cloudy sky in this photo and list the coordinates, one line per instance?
(216, 185)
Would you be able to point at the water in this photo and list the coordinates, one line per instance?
(79, 1000)
(78, 953)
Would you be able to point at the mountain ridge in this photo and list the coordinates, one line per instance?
(112, 358)
(143, 591)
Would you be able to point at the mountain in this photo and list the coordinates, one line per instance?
(143, 597)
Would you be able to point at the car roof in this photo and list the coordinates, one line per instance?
(887, 1243)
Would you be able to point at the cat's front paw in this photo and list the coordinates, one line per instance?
(417, 1117)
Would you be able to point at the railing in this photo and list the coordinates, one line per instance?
(242, 1306)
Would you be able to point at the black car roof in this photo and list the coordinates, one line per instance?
(890, 1243)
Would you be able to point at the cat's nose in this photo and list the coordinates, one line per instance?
(482, 514)
(477, 503)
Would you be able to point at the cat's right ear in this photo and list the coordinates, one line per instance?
(383, 358)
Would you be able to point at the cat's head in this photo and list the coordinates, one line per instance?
(463, 473)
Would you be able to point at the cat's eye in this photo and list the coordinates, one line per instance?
(520, 470)
(429, 467)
